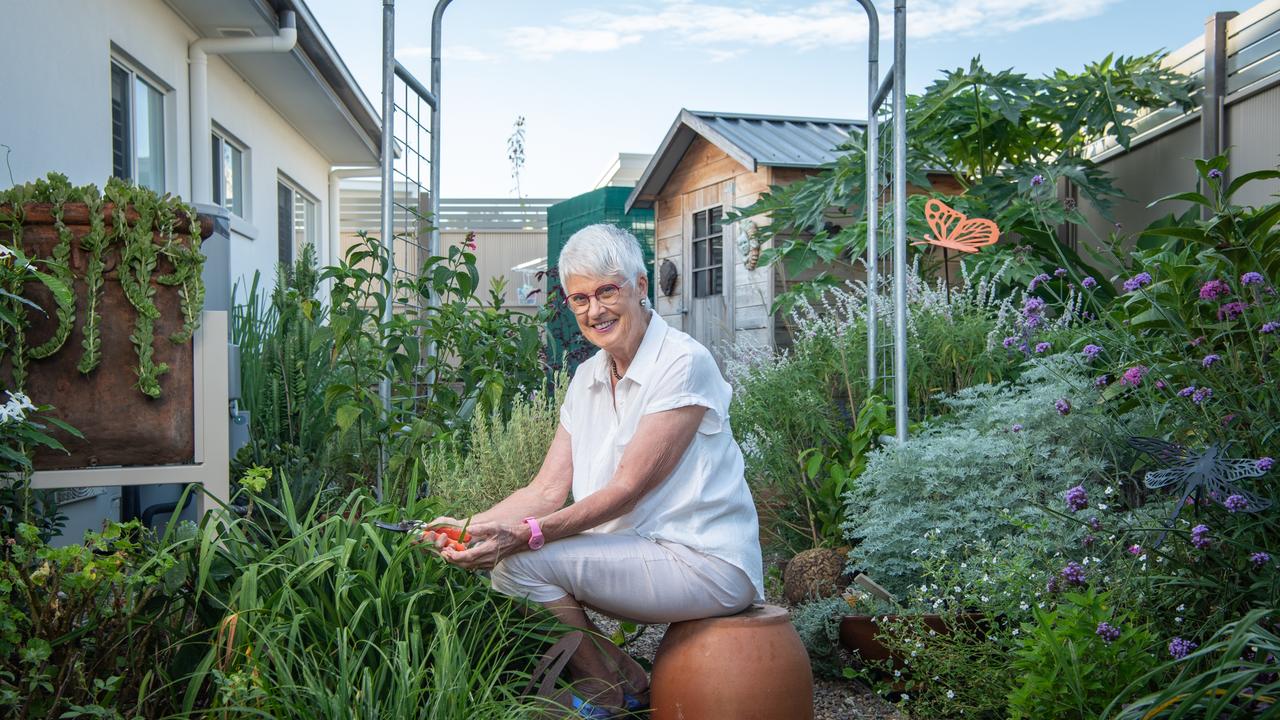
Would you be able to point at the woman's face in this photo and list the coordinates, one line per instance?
(615, 323)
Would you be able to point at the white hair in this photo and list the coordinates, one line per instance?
(602, 250)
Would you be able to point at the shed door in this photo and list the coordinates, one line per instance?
(710, 316)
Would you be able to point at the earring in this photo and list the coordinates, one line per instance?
(644, 302)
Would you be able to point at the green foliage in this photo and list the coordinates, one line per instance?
(87, 626)
(140, 256)
(992, 133)
(1238, 677)
(829, 475)
(818, 624)
(1067, 668)
(316, 614)
(501, 454)
(806, 399)
(978, 474)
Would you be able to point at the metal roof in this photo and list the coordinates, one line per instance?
(752, 140)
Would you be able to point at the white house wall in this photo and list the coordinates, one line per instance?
(56, 112)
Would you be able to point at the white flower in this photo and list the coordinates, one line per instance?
(905, 697)
(1023, 606)
(897, 673)
(21, 400)
(1109, 490)
(951, 694)
(1178, 620)
(1142, 557)
(1015, 631)
(1180, 608)
(1102, 506)
(5, 252)
(984, 598)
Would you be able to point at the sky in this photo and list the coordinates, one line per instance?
(593, 78)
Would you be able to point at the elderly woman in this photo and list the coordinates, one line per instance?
(662, 527)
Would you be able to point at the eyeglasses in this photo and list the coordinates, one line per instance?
(606, 294)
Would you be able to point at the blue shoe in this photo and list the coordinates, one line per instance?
(589, 711)
(633, 704)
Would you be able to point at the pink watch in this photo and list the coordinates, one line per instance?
(536, 540)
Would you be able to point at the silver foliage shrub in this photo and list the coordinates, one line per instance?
(975, 476)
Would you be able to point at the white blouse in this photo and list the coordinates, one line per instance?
(704, 503)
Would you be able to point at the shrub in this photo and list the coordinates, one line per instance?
(818, 624)
(982, 473)
(502, 455)
(1071, 659)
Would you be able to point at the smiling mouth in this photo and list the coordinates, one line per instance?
(606, 326)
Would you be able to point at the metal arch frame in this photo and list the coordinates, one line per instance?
(895, 81)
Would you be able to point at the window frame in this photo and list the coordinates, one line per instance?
(293, 246)
(225, 139)
(135, 74)
(706, 273)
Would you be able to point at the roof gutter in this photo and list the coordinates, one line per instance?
(198, 53)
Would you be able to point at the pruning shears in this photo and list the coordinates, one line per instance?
(457, 537)
(404, 526)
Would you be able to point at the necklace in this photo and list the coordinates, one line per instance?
(614, 365)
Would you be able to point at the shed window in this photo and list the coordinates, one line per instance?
(708, 253)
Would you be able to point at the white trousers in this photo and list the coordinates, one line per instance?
(627, 577)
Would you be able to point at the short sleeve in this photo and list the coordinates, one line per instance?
(692, 379)
(573, 402)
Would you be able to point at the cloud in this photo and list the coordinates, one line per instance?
(726, 30)
(541, 42)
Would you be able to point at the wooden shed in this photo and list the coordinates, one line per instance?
(708, 164)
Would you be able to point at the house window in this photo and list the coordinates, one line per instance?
(297, 220)
(137, 129)
(708, 253)
(228, 174)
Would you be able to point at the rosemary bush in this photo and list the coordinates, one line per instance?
(501, 454)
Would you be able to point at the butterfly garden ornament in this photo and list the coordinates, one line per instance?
(1203, 473)
(953, 230)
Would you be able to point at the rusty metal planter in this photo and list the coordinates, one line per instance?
(121, 426)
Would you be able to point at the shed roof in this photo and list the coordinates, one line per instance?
(752, 140)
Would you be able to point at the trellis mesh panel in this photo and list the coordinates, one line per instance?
(565, 345)
(882, 294)
(411, 205)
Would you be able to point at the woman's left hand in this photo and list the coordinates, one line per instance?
(490, 542)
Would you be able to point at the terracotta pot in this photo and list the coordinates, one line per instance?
(858, 633)
(121, 426)
(749, 666)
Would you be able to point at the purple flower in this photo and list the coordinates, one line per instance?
(1235, 503)
(1264, 464)
(1073, 574)
(1269, 327)
(1200, 536)
(1210, 359)
(1037, 180)
(1051, 586)
(1017, 427)
(1231, 310)
(1215, 174)
(1077, 499)
(1009, 341)
(1259, 559)
(1197, 341)
(1035, 282)
(1095, 524)
(1101, 381)
(1032, 306)
(1179, 648)
(1108, 632)
(1088, 541)
(1140, 280)
(1252, 278)
(1160, 385)
(1060, 273)
(1063, 406)
(1214, 289)
(1091, 351)
(1187, 391)
(1133, 376)
(1042, 347)
(1199, 396)
(1134, 549)
(1089, 283)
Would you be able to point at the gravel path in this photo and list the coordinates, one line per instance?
(832, 699)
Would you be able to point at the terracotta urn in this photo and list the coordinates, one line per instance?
(749, 666)
(121, 426)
